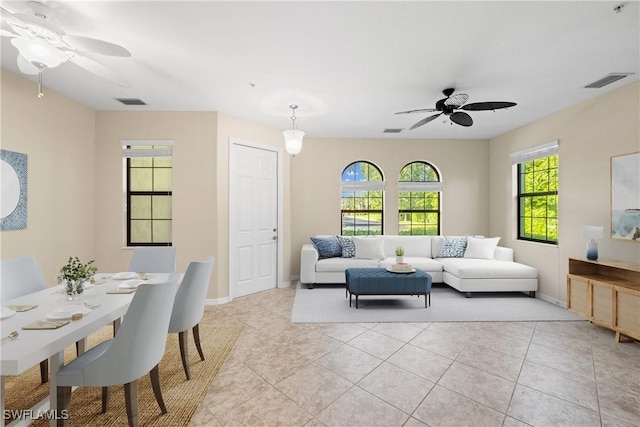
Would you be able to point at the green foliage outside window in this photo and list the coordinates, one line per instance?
(419, 211)
(538, 200)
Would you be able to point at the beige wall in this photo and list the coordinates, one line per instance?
(56, 133)
(589, 134)
(316, 172)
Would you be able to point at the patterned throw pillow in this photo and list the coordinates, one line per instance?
(453, 247)
(348, 247)
(327, 247)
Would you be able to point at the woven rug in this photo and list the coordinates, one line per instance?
(327, 304)
(182, 397)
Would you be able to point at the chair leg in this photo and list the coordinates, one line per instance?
(157, 391)
(105, 399)
(184, 353)
(196, 337)
(63, 395)
(44, 371)
(131, 401)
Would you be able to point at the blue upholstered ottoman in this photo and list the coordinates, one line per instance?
(379, 281)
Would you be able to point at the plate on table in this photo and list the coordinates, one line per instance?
(65, 313)
(130, 284)
(391, 270)
(6, 312)
(125, 275)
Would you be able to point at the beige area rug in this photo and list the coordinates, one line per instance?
(182, 397)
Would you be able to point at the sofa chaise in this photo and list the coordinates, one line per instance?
(466, 263)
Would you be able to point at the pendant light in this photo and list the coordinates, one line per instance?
(293, 137)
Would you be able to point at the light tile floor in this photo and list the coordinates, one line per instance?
(417, 374)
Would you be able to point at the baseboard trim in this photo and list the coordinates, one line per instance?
(218, 301)
(551, 300)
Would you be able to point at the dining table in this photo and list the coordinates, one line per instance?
(102, 303)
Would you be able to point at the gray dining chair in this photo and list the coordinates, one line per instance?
(153, 259)
(135, 351)
(19, 277)
(188, 307)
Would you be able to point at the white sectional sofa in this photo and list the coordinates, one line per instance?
(481, 266)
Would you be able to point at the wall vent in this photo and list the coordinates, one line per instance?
(131, 101)
(393, 130)
(607, 80)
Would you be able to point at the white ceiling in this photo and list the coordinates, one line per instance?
(349, 65)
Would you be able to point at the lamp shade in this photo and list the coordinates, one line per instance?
(293, 141)
(39, 53)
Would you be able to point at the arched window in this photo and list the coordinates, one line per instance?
(419, 190)
(361, 189)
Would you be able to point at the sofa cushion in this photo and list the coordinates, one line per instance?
(348, 247)
(341, 264)
(483, 248)
(453, 247)
(473, 268)
(412, 245)
(327, 247)
(369, 247)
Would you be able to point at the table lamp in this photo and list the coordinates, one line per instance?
(592, 233)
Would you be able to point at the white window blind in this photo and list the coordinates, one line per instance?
(537, 152)
(362, 185)
(420, 186)
(163, 148)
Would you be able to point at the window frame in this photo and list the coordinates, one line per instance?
(420, 187)
(138, 149)
(522, 196)
(362, 186)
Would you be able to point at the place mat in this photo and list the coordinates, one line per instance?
(22, 307)
(121, 291)
(99, 281)
(46, 324)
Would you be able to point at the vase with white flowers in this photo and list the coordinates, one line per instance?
(74, 274)
(399, 255)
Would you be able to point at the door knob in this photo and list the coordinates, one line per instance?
(274, 238)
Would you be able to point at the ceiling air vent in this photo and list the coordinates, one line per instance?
(392, 130)
(131, 101)
(607, 80)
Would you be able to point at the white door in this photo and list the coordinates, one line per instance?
(253, 219)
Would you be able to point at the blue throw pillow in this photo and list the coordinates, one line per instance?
(453, 247)
(327, 247)
(348, 247)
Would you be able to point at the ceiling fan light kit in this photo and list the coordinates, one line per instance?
(453, 102)
(42, 44)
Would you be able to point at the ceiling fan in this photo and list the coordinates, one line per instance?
(43, 44)
(453, 102)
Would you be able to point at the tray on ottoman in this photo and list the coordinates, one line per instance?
(379, 281)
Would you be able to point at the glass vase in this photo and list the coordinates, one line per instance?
(74, 289)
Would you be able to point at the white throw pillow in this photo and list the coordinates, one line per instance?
(369, 247)
(483, 248)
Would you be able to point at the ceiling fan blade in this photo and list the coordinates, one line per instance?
(456, 100)
(463, 119)
(425, 121)
(10, 18)
(26, 67)
(99, 70)
(423, 110)
(91, 45)
(482, 106)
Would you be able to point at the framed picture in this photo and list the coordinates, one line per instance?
(625, 197)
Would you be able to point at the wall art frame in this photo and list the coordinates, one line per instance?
(625, 197)
(13, 193)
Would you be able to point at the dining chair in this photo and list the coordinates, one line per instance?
(188, 307)
(135, 351)
(19, 277)
(153, 259)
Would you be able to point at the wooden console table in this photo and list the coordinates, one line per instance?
(607, 293)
